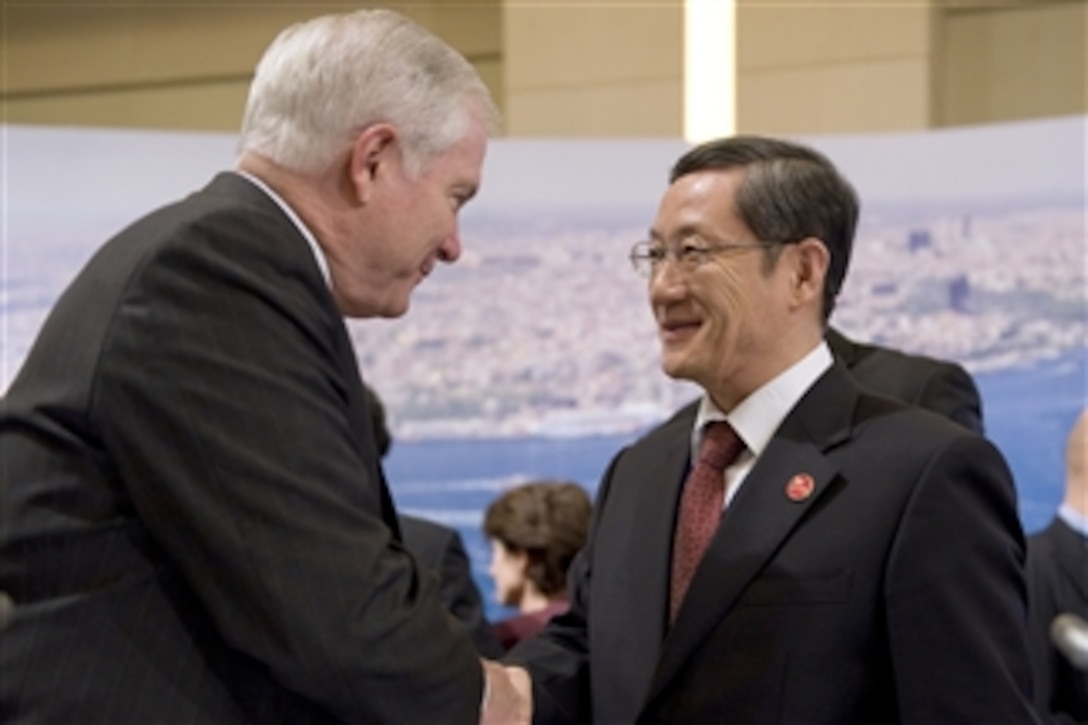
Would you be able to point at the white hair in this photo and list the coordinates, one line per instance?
(323, 81)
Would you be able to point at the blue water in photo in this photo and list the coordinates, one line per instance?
(1028, 414)
(453, 481)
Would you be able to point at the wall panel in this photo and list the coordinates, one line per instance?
(1013, 62)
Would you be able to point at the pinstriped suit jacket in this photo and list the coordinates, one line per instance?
(196, 527)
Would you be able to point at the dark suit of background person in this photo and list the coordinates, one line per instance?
(1058, 579)
(196, 526)
(938, 385)
(868, 569)
(441, 550)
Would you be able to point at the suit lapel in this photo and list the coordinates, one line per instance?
(363, 422)
(763, 515)
(654, 538)
(634, 598)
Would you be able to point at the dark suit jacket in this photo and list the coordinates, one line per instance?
(938, 385)
(440, 549)
(894, 593)
(196, 527)
(1058, 576)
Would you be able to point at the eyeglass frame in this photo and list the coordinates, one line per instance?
(688, 256)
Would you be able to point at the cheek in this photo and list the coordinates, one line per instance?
(727, 306)
(499, 570)
(496, 559)
(506, 584)
(734, 330)
(437, 210)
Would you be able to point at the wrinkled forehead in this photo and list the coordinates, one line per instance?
(700, 203)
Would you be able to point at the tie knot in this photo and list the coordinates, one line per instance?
(721, 445)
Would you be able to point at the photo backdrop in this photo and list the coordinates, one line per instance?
(535, 355)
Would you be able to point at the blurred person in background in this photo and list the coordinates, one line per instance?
(535, 529)
(942, 386)
(1058, 577)
(441, 549)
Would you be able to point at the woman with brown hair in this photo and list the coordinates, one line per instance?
(535, 529)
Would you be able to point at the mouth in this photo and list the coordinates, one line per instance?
(426, 269)
(677, 330)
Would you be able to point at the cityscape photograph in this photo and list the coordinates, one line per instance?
(535, 355)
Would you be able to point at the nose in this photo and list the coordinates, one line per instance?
(450, 249)
(666, 283)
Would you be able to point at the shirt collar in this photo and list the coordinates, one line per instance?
(1075, 519)
(315, 248)
(757, 417)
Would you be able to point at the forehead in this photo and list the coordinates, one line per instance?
(703, 200)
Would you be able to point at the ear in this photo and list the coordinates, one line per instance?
(373, 154)
(809, 271)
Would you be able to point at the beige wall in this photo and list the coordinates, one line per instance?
(885, 65)
(560, 68)
(1013, 62)
(593, 69)
(826, 67)
(170, 64)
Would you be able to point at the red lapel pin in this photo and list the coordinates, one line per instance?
(800, 487)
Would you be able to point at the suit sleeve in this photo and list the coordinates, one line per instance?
(226, 395)
(558, 656)
(955, 593)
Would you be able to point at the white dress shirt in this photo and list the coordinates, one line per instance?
(757, 417)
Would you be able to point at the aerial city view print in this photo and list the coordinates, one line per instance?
(536, 356)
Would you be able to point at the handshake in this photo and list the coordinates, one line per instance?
(508, 695)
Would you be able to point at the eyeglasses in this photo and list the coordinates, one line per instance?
(647, 257)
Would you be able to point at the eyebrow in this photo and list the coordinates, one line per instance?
(685, 232)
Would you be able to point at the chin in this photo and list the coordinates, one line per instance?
(674, 362)
(398, 311)
(396, 306)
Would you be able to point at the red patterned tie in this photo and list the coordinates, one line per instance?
(700, 507)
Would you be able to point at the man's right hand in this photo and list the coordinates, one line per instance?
(509, 697)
